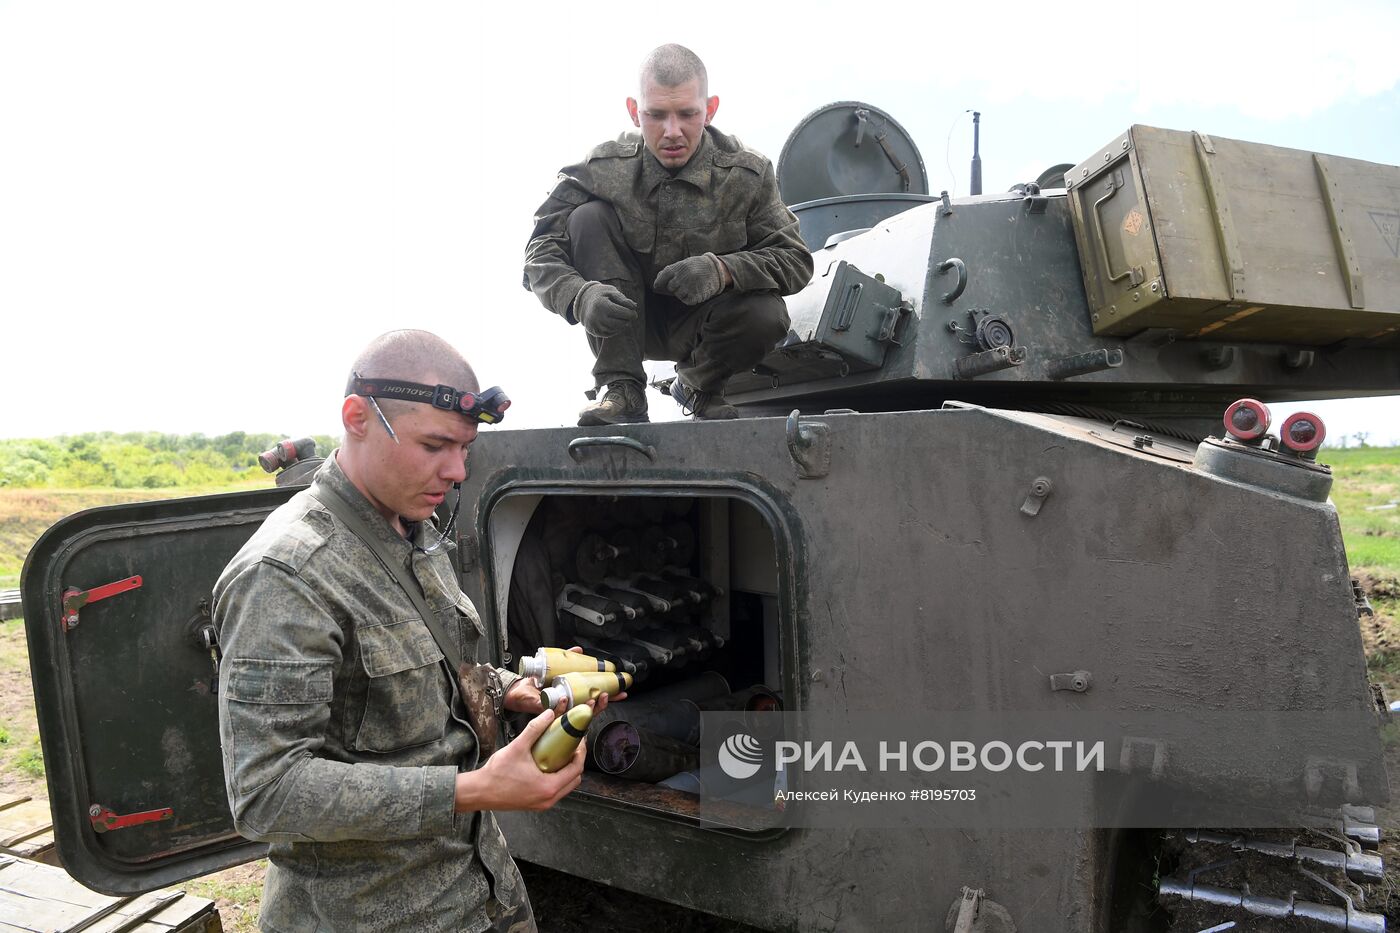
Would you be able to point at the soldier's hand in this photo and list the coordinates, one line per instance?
(524, 697)
(603, 310)
(510, 779)
(694, 280)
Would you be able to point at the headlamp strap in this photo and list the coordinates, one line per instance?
(488, 406)
(444, 397)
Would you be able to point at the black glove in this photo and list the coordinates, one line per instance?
(694, 280)
(603, 310)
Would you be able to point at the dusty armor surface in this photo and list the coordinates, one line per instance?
(958, 489)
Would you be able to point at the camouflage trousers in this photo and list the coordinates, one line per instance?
(709, 342)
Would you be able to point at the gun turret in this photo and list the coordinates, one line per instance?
(1172, 274)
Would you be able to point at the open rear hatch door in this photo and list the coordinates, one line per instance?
(117, 613)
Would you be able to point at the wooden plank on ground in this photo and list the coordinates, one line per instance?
(35, 898)
(178, 912)
(40, 848)
(26, 828)
(38, 898)
(10, 605)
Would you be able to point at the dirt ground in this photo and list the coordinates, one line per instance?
(1380, 634)
(21, 764)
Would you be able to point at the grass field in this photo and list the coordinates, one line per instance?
(1367, 480)
(25, 513)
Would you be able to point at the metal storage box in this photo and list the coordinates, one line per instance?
(861, 319)
(1231, 240)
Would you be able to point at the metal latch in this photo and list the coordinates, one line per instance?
(104, 818)
(75, 599)
(206, 639)
(1079, 681)
(809, 446)
(1040, 489)
(974, 912)
(890, 330)
(968, 906)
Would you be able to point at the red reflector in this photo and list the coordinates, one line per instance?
(1247, 419)
(1302, 432)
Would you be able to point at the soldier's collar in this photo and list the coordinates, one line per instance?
(419, 534)
(696, 172)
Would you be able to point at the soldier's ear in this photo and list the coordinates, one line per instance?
(632, 111)
(354, 416)
(711, 106)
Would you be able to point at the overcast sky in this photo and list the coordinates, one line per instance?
(206, 210)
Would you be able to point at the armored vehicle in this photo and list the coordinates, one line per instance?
(1013, 458)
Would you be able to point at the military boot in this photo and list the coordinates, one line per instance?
(703, 406)
(622, 403)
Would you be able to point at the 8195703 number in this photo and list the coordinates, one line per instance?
(942, 794)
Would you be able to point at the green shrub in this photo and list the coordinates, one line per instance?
(77, 474)
(31, 761)
(138, 460)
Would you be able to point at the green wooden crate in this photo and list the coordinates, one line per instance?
(1226, 240)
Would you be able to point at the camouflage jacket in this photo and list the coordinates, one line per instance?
(343, 733)
(723, 201)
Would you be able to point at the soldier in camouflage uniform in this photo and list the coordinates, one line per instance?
(669, 244)
(346, 743)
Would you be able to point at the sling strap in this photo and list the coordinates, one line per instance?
(479, 686)
(411, 587)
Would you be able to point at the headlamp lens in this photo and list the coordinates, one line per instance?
(487, 408)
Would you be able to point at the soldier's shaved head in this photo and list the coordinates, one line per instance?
(405, 470)
(672, 65)
(413, 356)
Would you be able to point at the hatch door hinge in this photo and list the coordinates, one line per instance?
(206, 639)
(75, 599)
(468, 550)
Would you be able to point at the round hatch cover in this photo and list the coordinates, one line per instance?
(1054, 176)
(849, 148)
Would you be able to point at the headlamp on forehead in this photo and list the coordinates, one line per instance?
(488, 407)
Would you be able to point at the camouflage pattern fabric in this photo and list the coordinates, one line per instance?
(709, 342)
(723, 201)
(518, 920)
(343, 731)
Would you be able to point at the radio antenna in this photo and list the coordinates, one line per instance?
(976, 156)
